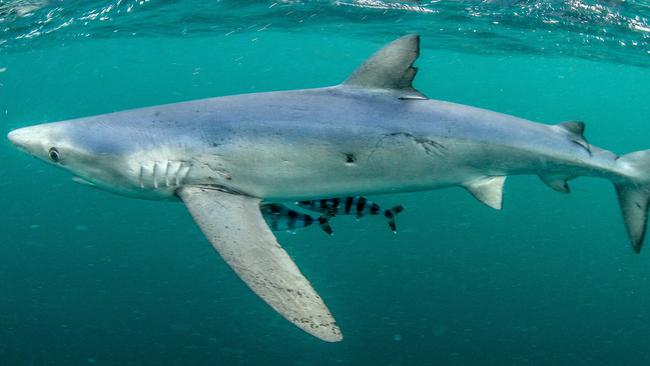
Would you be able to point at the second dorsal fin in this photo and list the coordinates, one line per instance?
(576, 131)
(574, 127)
(391, 68)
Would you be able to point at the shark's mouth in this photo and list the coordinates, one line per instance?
(80, 180)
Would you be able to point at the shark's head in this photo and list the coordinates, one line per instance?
(94, 153)
(47, 142)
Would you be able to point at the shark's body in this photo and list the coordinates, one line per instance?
(329, 142)
(373, 134)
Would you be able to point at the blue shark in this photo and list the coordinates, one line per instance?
(372, 134)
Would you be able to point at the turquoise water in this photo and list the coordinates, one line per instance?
(87, 277)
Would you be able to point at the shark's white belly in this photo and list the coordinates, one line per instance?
(397, 163)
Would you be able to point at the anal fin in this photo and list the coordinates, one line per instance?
(488, 190)
(558, 183)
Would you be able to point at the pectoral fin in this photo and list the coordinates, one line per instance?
(234, 225)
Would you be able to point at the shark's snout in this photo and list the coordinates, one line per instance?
(19, 137)
(31, 139)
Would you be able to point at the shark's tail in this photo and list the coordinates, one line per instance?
(634, 194)
(390, 216)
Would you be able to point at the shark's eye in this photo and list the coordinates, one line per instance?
(54, 155)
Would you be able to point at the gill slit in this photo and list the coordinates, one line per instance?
(140, 177)
(167, 173)
(176, 174)
(163, 174)
(154, 178)
(183, 171)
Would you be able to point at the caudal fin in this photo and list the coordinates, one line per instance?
(324, 224)
(634, 195)
(390, 215)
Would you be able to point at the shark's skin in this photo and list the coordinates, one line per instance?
(283, 146)
(372, 134)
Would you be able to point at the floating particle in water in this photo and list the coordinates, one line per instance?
(3, 69)
(397, 337)
(81, 227)
(34, 226)
(91, 360)
(440, 331)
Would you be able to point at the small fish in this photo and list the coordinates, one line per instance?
(282, 218)
(356, 205)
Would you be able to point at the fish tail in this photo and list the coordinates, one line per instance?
(323, 223)
(390, 216)
(360, 206)
(334, 207)
(348, 204)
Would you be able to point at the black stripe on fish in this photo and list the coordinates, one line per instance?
(280, 217)
(335, 206)
(348, 204)
(330, 207)
(293, 216)
(361, 204)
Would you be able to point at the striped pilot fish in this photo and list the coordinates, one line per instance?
(357, 205)
(282, 218)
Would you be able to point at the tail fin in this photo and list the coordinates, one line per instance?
(390, 215)
(323, 223)
(634, 195)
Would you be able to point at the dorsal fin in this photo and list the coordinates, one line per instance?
(391, 68)
(575, 127)
(576, 131)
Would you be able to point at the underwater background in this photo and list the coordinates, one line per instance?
(88, 277)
